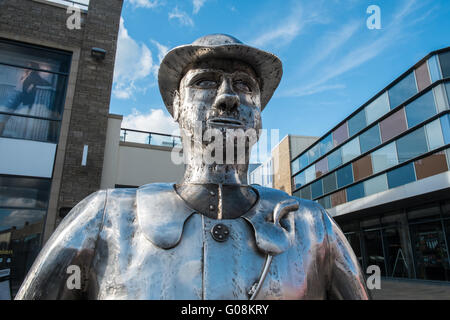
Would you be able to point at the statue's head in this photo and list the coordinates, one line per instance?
(217, 82)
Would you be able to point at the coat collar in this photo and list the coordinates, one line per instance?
(162, 214)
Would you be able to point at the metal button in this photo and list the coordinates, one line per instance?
(212, 193)
(220, 232)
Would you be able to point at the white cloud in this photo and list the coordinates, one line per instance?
(197, 5)
(133, 63)
(310, 90)
(144, 3)
(155, 121)
(182, 16)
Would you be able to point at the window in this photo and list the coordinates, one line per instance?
(305, 193)
(334, 159)
(299, 180)
(403, 90)
(295, 166)
(310, 174)
(326, 144)
(362, 168)
(431, 165)
(412, 145)
(32, 87)
(401, 176)
(370, 139)
(325, 202)
(355, 192)
(375, 184)
(420, 109)
(340, 134)
(384, 158)
(422, 76)
(344, 176)
(338, 198)
(350, 150)
(447, 87)
(393, 125)
(440, 98)
(434, 134)
(444, 61)
(435, 72)
(313, 153)
(329, 183)
(445, 124)
(357, 123)
(303, 161)
(321, 167)
(377, 108)
(316, 189)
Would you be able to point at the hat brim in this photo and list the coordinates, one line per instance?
(267, 66)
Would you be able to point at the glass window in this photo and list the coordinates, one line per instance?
(321, 167)
(338, 198)
(357, 122)
(370, 139)
(362, 168)
(303, 161)
(393, 125)
(334, 159)
(310, 174)
(422, 76)
(396, 246)
(344, 176)
(434, 134)
(340, 134)
(351, 150)
(316, 189)
(355, 192)
(295, 166)
(401, 176)
(299, 180)
(377, 108)
(420, 109)
(403, 90)
(431, 165)
(447, 87)
(447, 151)
(445, 124)
(435, 71)
(440, 97)
(313, 153)
(326, 144)
(384, 158)
(374, 250)
(329, 183)
(325, 202)
(412, 145)
(353, 239)
(305, 193)
(375, 184)
(444, 61)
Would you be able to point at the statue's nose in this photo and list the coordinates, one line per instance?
(227, 99)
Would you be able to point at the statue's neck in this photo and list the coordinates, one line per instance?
(231, 174)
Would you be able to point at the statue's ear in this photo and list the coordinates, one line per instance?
(176, 105)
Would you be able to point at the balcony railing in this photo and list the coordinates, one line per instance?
(151, 138)
(82, 4)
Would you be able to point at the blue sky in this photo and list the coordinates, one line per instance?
(332, 62)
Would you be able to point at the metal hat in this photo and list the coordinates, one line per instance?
(267, 66)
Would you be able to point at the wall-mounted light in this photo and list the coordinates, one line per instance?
(98, 53)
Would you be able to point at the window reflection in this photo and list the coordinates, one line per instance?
(403, 90)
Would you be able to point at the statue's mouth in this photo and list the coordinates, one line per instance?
(225, 122)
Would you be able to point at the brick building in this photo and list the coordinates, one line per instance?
(55, 88)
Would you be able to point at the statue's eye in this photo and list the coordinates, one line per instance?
(206, 84)
(241, 85)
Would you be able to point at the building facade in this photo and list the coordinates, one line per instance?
(55, 89)
(383, 174)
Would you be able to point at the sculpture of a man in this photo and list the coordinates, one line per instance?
(211, 236)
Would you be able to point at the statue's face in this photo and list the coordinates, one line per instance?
(219, 94)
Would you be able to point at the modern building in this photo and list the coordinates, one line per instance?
(275, 172)
(383, 174)
(55, 89)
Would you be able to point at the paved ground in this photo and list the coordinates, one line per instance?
(411, 290)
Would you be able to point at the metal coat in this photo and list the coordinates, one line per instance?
(147, 243)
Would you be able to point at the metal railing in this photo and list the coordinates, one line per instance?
(83, 4)
(151, 138)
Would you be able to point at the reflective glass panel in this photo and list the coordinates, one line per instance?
(431, 165)
(303, 161)
(313, 153)
(412, 145)
(393, 125)
(350, 150)
(334, 159)
(340, 134)
(310, 174)
(357, 122)
(295, 166)
(362, 168)
(316, 189)
(375, 185)
(374, 250)
(29, 128)
(403, 90)
(440, 98)
(434, 134)
(344, 176)
(435, 71)
(321, 167)
(377, 108)
(401, 176)
(299, 180)
(396, 249)
(445, 124)
(384, 157)
(370, 139)
(422, 76)
(329, 183)
(326, 144)
(420, 109)
(325, 202)
(355, 192)
(444, 61)
(305, 193)
(338, 198)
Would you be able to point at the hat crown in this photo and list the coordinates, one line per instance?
(217, 39)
